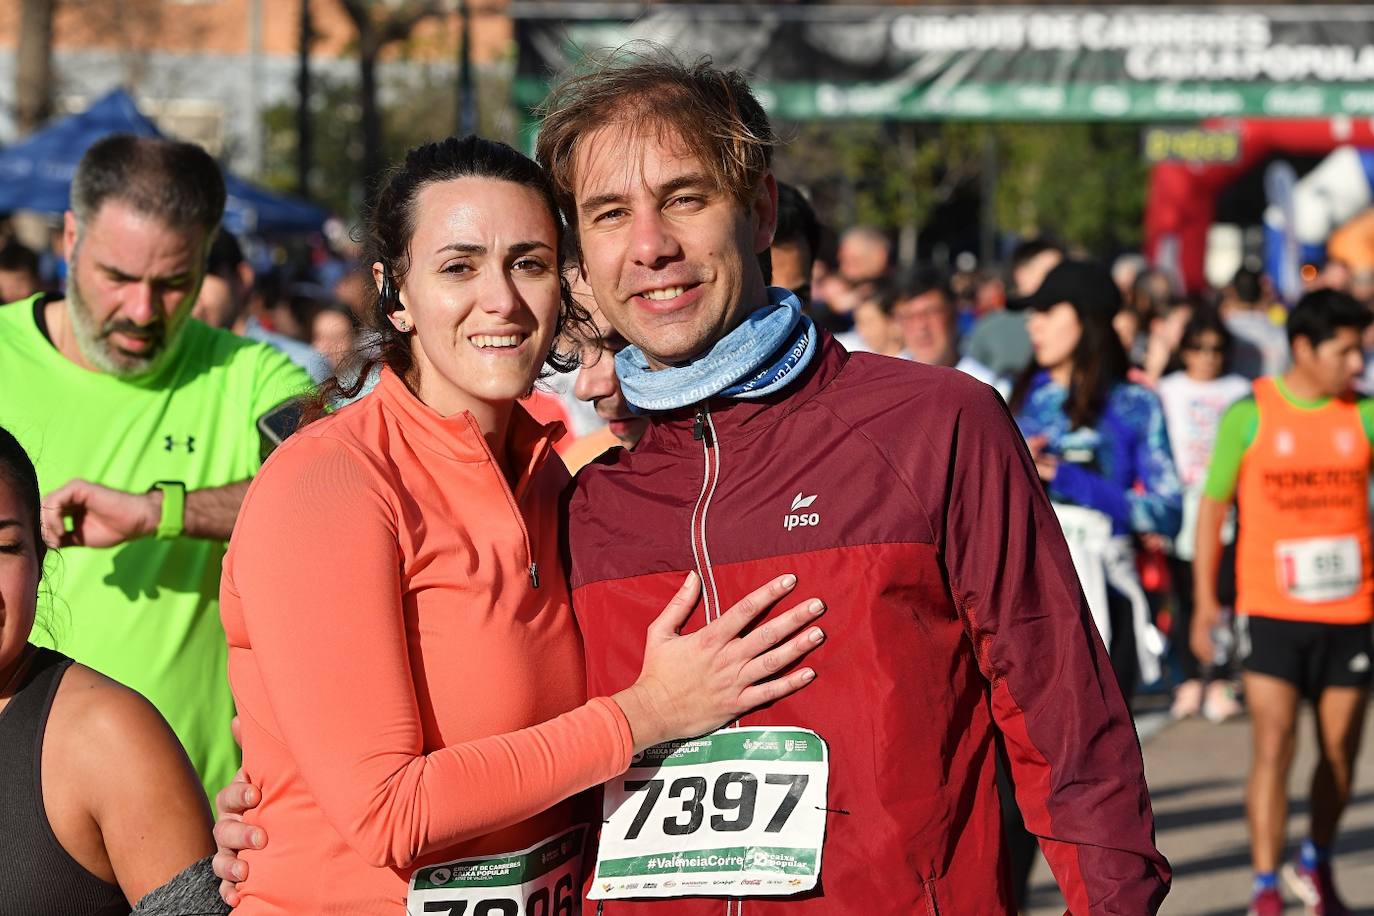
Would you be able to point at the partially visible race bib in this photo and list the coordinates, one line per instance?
(1103, 560)
(1088, 533)
(1320, 569)
(736, 813)
(544, 880)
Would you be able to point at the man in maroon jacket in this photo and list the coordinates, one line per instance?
(901, 494)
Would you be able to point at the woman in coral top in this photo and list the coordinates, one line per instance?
(408, 673)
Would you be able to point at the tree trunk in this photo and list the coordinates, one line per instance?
(467, 93)
(304, 121)
(371, 121)
(374, 34)
(33, 76)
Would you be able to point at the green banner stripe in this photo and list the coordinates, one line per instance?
(504, 871)
(773, 859)
(1042, 100)
(725, 746)
(1034, 100)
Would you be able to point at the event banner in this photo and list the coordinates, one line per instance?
(990, 63)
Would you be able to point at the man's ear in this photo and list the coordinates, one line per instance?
(246, 274)
(764, 212)
(1302, 349)
(68, 235)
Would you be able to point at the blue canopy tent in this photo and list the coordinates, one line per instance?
(36, 174)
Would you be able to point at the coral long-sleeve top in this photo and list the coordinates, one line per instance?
(408, 694)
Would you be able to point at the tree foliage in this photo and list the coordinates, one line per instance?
(419, 103)
(1084, 183)
(379, 24)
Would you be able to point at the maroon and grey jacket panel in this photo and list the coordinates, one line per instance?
(903, 496)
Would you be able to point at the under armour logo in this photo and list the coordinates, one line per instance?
(189, 443)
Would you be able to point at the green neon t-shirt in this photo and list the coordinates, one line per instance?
(146, 613)
(1236, 433)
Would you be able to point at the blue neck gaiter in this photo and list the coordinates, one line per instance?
(761, 356)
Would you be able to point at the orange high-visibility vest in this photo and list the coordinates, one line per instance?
(1304, 545)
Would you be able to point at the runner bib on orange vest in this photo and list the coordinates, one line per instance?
(1304, 547)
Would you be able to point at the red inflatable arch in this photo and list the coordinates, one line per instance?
(1182, 198)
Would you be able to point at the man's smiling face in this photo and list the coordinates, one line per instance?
(671, 257)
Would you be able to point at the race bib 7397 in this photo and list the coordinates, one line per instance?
(739, 812)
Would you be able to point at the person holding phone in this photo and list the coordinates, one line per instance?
(1102, 450)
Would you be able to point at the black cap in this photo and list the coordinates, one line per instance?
(1086, 284)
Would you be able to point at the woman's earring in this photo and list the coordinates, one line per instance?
(402, 325)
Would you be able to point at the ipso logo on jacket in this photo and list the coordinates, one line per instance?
(799, 519)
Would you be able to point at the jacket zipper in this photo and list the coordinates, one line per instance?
(932, 905)
(704, 431)
(513, 499)
(545, 447)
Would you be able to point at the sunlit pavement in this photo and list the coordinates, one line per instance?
(1197, 772)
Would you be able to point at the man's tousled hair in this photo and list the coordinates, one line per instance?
(711, 112)
(1320, 313)
(178, 183)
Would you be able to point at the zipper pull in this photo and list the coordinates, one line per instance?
(700, 431)
(534, 574)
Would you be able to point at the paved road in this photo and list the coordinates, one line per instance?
(1196, 772)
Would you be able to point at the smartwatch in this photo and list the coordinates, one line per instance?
(173, 520)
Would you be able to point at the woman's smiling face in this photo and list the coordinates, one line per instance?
(482, 291)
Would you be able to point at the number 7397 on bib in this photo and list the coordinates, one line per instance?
(739, 812)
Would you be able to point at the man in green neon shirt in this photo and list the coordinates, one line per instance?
(145, 428)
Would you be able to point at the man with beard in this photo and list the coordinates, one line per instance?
(146, 427)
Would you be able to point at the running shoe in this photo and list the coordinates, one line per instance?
(1221, 702)
(1266, 903)
(1316, 888)
(1187, 699)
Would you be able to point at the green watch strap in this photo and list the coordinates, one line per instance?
(173, 520)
